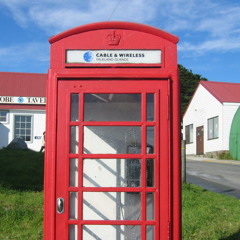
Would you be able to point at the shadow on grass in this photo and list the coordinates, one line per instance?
(235, 236)
(21, 169)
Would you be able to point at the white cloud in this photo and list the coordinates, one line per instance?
(14, 7)
(25, 53)
(182, 15)
(222, 22)
(216, 23)
(209, 17)
(221, 45)
(55, 16)
(206, 27)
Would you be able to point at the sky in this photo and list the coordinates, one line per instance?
(209, 30)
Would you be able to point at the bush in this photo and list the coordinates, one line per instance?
(21, 169)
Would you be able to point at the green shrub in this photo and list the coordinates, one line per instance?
(226, 155)
(21, 169)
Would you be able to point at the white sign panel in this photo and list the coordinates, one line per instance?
(114, 56)
(23, 100)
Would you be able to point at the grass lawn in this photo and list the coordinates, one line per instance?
(209, 216)
(21, 215)
(206, 215)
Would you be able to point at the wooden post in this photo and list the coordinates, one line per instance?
(183, 160)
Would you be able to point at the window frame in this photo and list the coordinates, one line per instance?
(31, 127)
(212, 121)
(7, 114)
(189, 133)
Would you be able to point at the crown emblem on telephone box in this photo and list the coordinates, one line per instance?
(113, 38)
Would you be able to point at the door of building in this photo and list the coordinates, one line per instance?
(200, 140)
(112, 179)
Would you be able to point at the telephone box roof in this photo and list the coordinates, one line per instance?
(112, 25)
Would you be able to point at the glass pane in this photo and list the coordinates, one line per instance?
(3, 116)
(150, 206)
(216, 127)
(150, 232)
(111, 172)
(210, 129)
(73, 232)
(150, 107)
(74, 139)
(28, 119)
(73, 172)
(111, 206)
(73, 208)
(17, 118)
(150, 140)
(111, 232)
(133, 173)
(150, 172)
(111, 139)
(74, 107)
(112, 107)
(189, 133)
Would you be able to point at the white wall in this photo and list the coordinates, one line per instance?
(202, 107)
(38, 127)
(229, 110)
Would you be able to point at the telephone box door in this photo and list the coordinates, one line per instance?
(112, 160)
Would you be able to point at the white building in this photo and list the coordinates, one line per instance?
(208, 118)
(22, 108)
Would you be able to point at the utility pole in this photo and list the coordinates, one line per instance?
(183, 160)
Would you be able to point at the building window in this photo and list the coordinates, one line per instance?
(213, 128)
(23, 127)
(189, 133)
(3, 116)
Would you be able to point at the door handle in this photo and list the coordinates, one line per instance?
(60, 205)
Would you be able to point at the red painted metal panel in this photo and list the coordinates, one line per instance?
(113, 25)
(62, 151)
(132, 37)
(161, 79)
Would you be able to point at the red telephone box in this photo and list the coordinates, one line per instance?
(112, 167)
